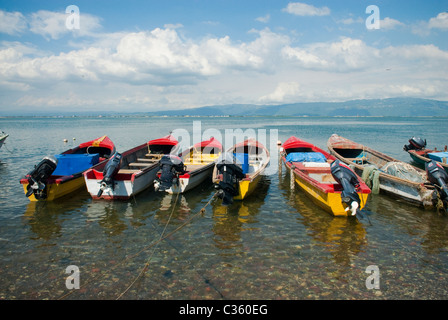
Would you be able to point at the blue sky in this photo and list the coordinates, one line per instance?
(152, 55)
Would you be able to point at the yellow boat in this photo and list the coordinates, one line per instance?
(57, 176)
(330, 184)
(239, 169)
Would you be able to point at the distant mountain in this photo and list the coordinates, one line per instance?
(406, 107)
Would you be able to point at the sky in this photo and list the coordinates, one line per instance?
(136, 56)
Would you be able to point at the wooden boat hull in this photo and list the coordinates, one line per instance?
(331, 202)
(138, 170)
(199, 161)
(3, 137)
(421, 157)
(126, 185)
(57, 188)
(316, 180)
(59, 184)
(247, 187)
(259, 158)
(416, 193)
(189, 181)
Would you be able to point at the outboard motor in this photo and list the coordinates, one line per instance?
(110, 170)
(231, 174)
(349, 181)
(415, 144)
(171, 167)
(37, 178)
(438, 176)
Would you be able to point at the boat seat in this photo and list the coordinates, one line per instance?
(154, 156)
(356, 160)
(316, 164)
(127, 171)
(139, 164)
(192, 167)
(147, 160)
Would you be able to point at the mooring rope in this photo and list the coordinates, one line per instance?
(154, 249)
(161, 238)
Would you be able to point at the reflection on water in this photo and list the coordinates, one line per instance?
(276, 244)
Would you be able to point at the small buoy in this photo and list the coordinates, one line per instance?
(65, 140)
(74, 139)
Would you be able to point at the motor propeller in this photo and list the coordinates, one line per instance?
(38, 177)
(171, 166)
(110, 170)
(349, 181)
(231, 174)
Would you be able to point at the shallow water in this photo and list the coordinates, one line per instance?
(276, 244)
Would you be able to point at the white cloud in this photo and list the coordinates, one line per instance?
(439, 22)
(389, 23)
(303, 9)
(341, 56)
(12, 23)
(50, 24)
(264, 19)
(284, 92)
(349, 21)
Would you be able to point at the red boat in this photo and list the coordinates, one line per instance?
(329, 183)
(59, 175)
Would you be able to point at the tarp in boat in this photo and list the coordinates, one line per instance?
(69, 164)
(306, 157)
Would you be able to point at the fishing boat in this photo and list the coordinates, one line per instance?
(330, 184)
(131, 172)
(421, 155)
(190, 168)
(384, 173)
(239, 170)
(59, 175)
(3, 137)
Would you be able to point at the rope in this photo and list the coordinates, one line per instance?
(145, 268)
(155, 246)
(144, 249)
(371, 176)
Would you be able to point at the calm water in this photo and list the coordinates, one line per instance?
(274, 245)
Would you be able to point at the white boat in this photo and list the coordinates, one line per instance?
(130, 173)
(3, 137)
(192, 167)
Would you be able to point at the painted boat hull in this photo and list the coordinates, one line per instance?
(199, 160)
(190, 181)
(125, 185)
(415, 193)
(248, 185)
(331, 202)
(57, 189)
(3, 138)
(139, 168)
(60, 186)
(420, 157)
(327, 195)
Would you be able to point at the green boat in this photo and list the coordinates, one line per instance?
(420, 154)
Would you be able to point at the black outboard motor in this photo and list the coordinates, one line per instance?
(110, 170)
(171, 166)
(438, 176)
(415, 144)
(349, 181)
(37, 178)
(231, 174)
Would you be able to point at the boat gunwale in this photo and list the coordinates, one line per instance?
(379, 154)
